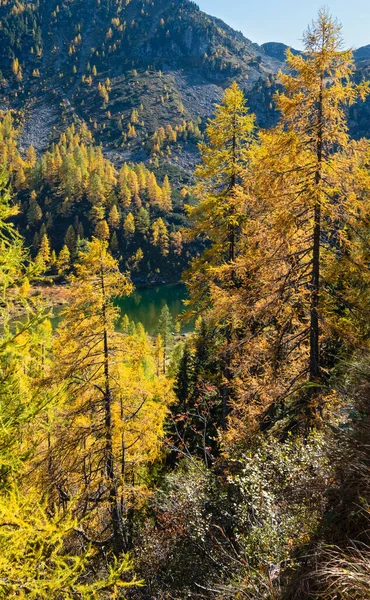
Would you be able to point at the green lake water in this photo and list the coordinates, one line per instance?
(144, 305)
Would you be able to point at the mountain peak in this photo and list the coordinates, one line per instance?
(277, 50)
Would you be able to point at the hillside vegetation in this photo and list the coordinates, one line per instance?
(232, 462)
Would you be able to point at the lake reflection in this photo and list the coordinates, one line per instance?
(144, 305)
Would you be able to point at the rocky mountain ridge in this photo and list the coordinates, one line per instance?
(143, 75)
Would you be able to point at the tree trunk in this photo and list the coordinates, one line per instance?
(314, 370)
(118, 537)
(227, 372)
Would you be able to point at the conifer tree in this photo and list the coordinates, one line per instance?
(34, 213)
(142, 221)
(166, 195)
(223, 160)
(220, 213)
(63, 261)
(129, 226)
(165, 327)
(159, 354)
(114, 409)
(102, 230)
(113, 244)
(313, 107)
(35, 542)
(43, 256)
(114, 218)
(160, 235)
(90, 320)
(70, 239)
(288, 306)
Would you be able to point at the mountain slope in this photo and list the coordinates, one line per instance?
(143, 75)
(127, 69)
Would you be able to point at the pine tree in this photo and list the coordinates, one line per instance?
(113, 244)
(142, 221)
(219, 214)
(34, 213)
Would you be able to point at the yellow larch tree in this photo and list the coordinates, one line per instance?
(112, 419)
(219, 214)
(287, 304)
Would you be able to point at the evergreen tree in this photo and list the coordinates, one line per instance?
(224, 158)
(165, 328)
(142, 221)
(113, 244)
(34, 213)
(70, 239)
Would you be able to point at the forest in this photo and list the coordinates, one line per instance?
(230, 463)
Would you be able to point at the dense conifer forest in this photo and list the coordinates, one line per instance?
(229, 463)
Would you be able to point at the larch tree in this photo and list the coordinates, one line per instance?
(111, 423)
(114, 218)
(36, 555)
(166, 195)
(86, 351)
(219, 215)
(129, 226)
(313, 107)
(160, 236)
(63, 261)
(288, 303)
(44, 255)
(102, 230)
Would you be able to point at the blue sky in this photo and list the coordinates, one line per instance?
(285, 20)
